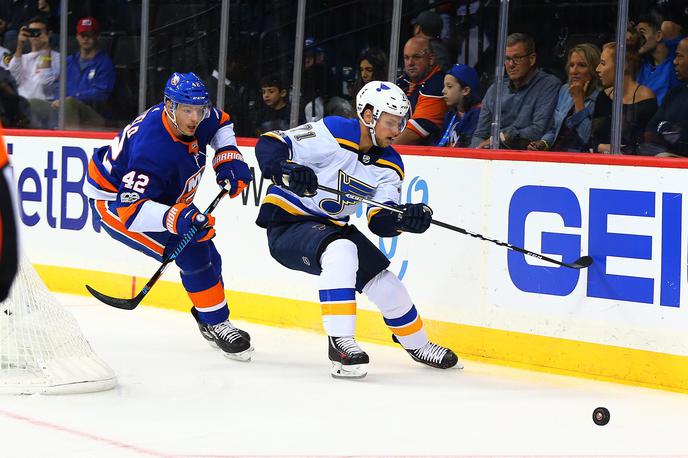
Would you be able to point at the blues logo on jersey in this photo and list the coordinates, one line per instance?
(347, 185)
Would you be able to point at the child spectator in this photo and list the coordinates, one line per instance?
(275, 112)
(462, 95)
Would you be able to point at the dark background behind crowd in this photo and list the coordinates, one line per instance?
(340, 35)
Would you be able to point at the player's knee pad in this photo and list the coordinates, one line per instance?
(340, 255)
(389, 294)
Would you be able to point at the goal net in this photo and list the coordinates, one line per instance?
(42, 349)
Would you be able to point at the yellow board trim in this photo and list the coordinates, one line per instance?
(546, 354)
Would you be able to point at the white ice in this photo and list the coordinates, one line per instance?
(177, 396)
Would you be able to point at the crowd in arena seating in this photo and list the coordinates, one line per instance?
(452, 103)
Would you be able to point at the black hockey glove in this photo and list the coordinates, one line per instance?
(299, 179)
(416, 218)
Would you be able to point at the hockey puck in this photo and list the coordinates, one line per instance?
(600, 416)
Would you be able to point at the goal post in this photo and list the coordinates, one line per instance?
(42, 348)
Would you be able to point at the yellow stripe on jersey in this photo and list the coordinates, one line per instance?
(274, 135)
(338, 308)
(283, 204)
(391, 165)
(345, 142)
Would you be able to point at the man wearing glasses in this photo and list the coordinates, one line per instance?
(37, 72)
(528, 101)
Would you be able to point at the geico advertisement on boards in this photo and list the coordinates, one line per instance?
(629, 219)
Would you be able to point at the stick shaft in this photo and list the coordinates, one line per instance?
(448, 226)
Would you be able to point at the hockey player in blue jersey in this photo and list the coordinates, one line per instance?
(308, 229)
(142, 186)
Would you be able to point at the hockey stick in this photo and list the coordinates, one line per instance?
(130, 304)
(579, 263)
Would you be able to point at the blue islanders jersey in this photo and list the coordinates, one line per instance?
(146, 168)
(331, 148)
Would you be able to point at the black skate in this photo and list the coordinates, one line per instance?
(234, 342)
(433, 355)
(348, 360)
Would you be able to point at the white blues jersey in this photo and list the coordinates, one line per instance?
(331, 148)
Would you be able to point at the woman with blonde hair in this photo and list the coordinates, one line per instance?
(572, 120)
(639, 102)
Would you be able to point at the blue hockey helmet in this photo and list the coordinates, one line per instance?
(186, 88)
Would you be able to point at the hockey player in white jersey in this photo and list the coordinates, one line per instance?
(308, 229)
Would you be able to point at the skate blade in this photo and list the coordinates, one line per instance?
(354, 371)
(214, 345)
(243, 356)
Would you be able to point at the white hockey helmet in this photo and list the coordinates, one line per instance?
(382, 97)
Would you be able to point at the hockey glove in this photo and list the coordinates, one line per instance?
(416, 218)
(230, 168)
(299, 179)
(180, 218)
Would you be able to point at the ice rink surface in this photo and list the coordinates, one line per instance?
(177, 396)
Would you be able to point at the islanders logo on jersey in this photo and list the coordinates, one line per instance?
(348, 185)
(191, 186)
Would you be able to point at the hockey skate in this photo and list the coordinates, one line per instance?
(433, 355)
(235, 343)
(348, 360)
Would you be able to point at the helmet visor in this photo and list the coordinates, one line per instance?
(393, 121)
(197, 111)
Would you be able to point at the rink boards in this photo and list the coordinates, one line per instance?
(624, 318)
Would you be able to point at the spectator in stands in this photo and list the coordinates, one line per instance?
(639, 102)
(528, 101)
(429, 25)
(274, 114)
(572, 119)
(372, 65)
(236, 104)
(462, 95)
(14, 109)
(422, 82)
(37, 72)
(313, 83)
(669, 126)
(657, 69)
(90, 79)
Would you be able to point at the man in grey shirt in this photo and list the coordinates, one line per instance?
(528, 101)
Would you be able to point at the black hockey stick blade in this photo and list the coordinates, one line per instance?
(581, 263)
(124, 304)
